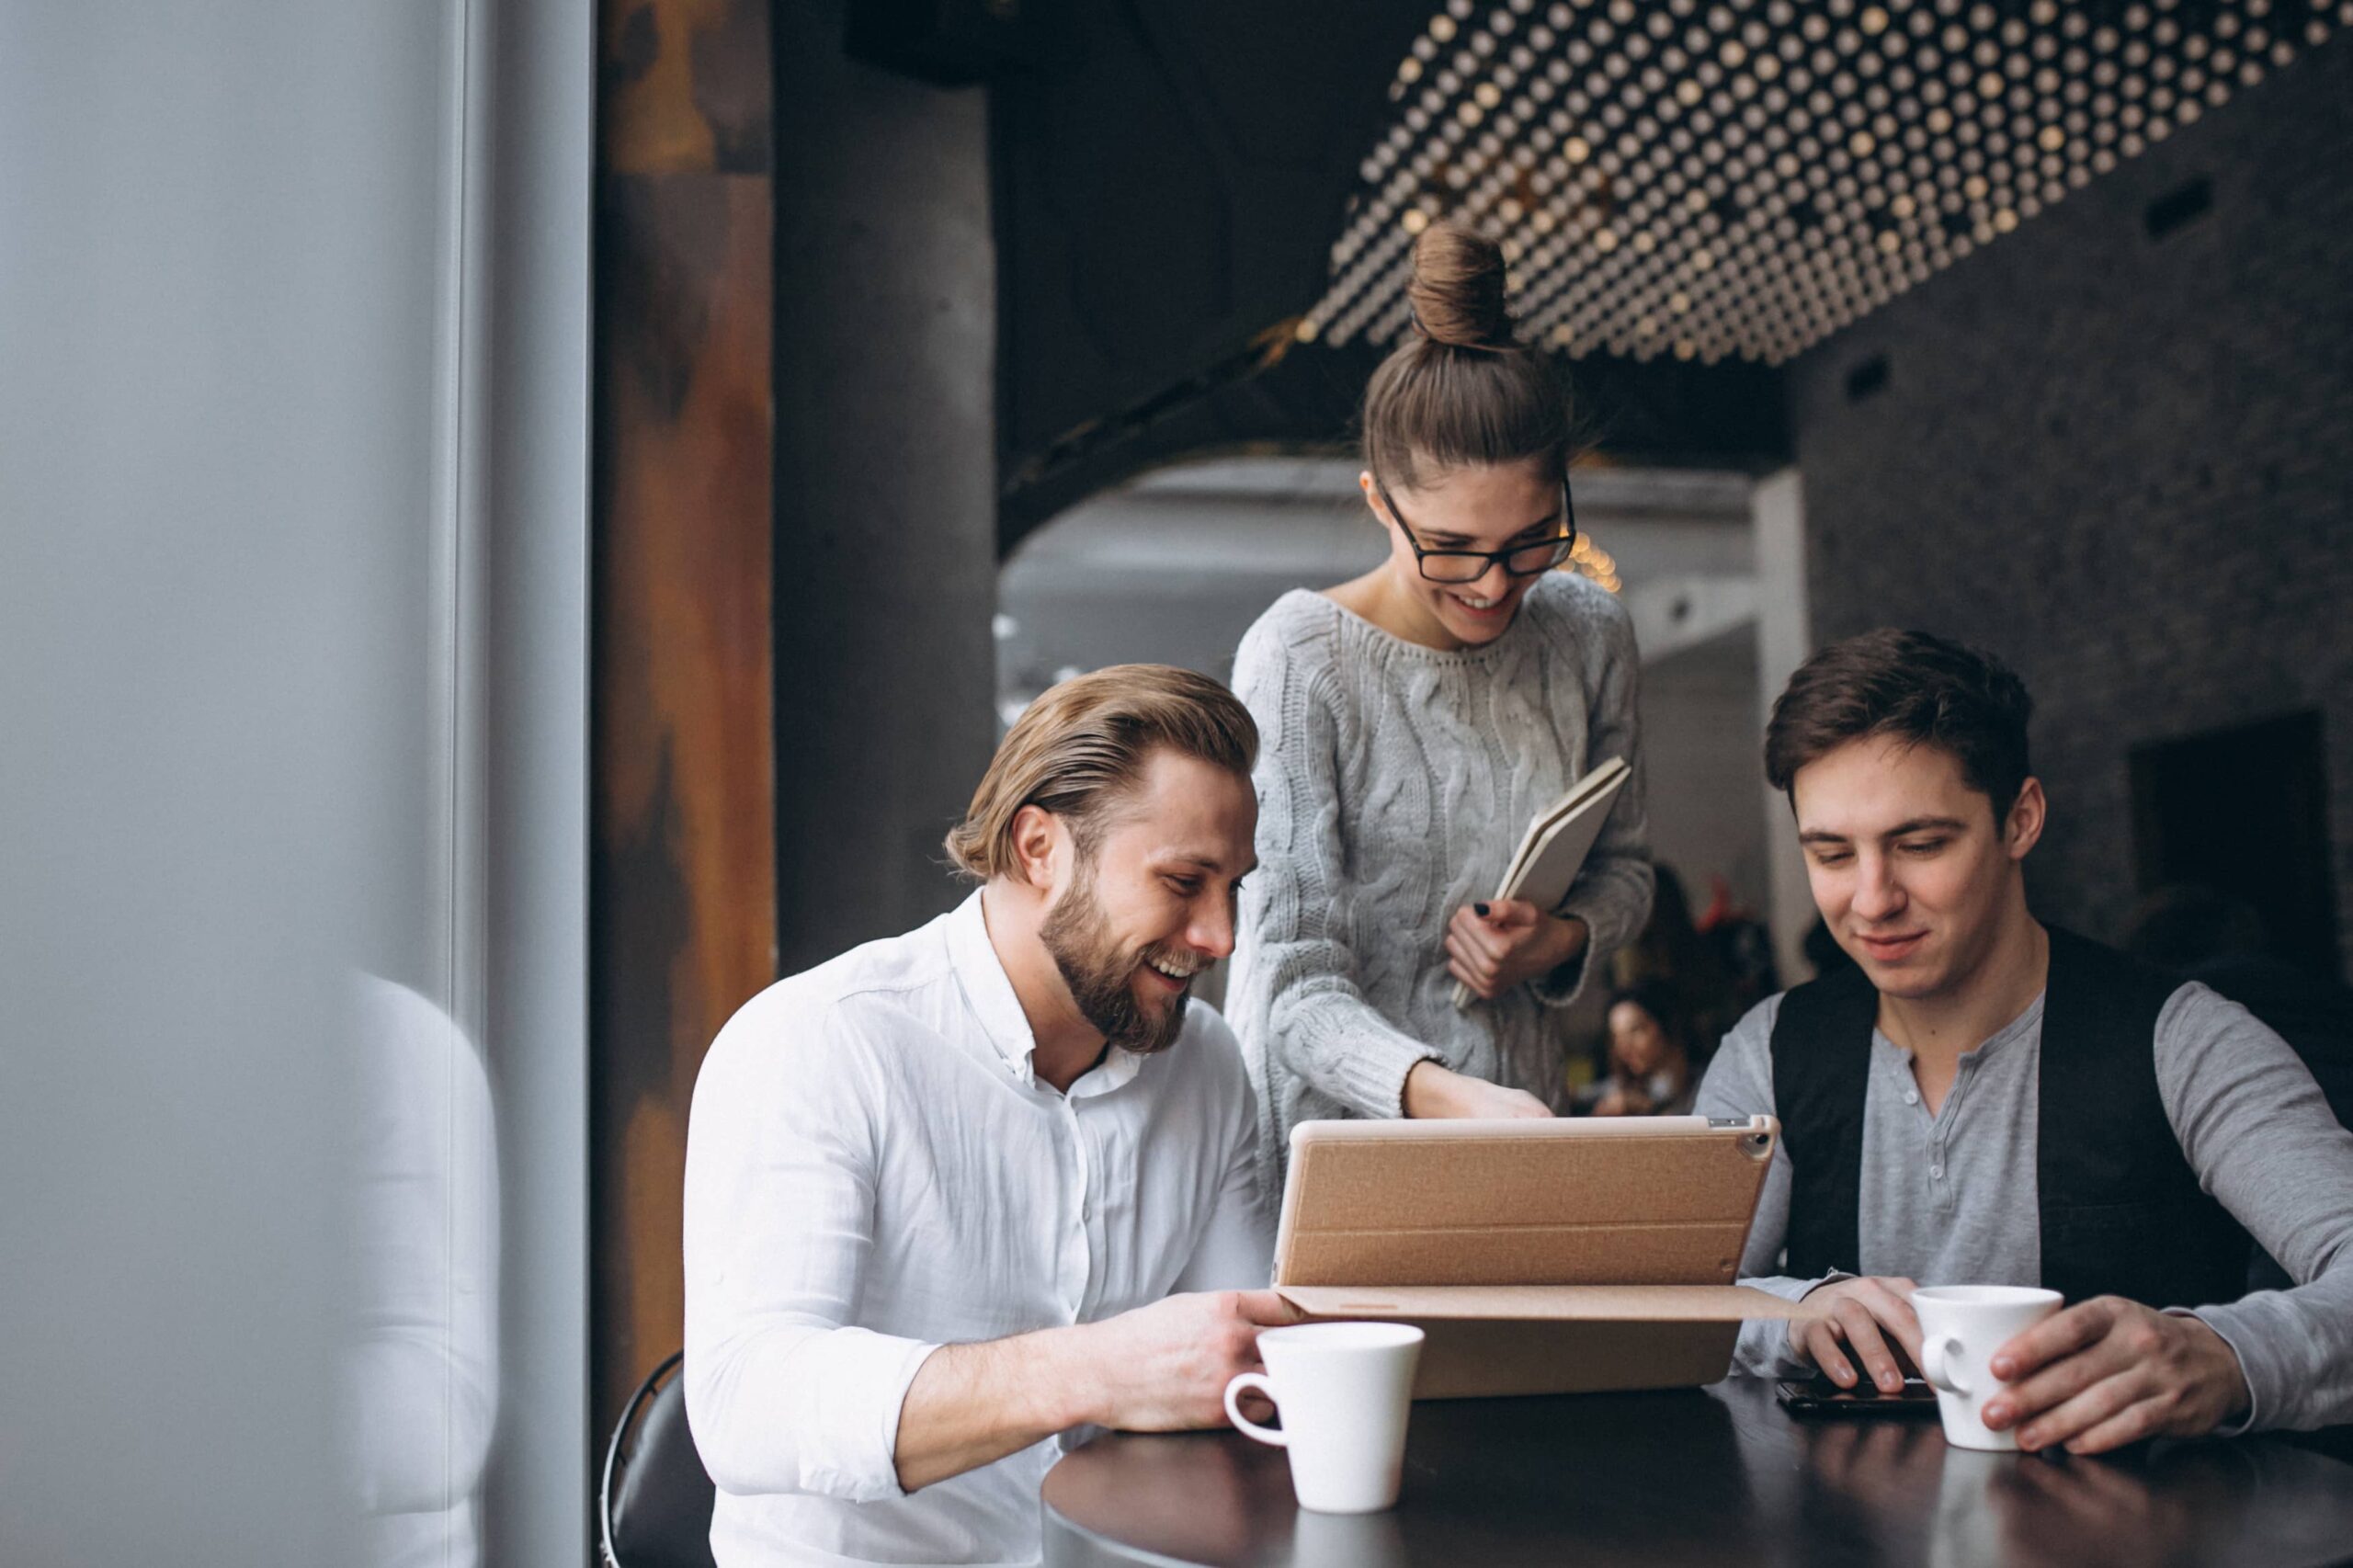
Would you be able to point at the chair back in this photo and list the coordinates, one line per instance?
(653, 1507)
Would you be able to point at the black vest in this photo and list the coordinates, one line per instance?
(2121, 1207)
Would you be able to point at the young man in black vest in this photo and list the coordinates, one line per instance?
(1983, 1099)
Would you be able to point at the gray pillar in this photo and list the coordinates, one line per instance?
(885, 486)
(533, 113)
(1784, 638)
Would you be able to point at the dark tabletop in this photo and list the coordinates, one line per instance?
(1701, 1475)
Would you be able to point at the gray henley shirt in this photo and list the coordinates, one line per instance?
(1950, 1198)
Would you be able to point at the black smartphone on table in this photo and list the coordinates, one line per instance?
(1820, 1396)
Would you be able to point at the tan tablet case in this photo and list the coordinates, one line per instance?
(1540, 1257)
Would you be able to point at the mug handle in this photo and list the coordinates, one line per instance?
(1937, 1360)
(1242, 1423)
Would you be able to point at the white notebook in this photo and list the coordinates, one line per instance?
(1553, 848)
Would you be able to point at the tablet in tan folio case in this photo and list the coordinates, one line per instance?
(1540, 1257)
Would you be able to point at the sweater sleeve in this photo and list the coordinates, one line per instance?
(1318, 1022)
(1612, 893)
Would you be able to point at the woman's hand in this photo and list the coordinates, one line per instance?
(1432, 1090)
(1493, 947)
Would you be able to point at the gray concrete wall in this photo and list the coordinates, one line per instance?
(2120, 462)
(885, 486)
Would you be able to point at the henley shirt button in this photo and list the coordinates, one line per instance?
(1911, 1097)
(1938, 1172)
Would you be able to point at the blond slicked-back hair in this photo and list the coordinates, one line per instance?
(1081, 746)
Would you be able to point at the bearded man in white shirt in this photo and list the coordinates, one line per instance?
(956, 1193)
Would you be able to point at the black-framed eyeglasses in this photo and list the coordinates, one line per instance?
(1470, 565)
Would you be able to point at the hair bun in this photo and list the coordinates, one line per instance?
(1458, 288)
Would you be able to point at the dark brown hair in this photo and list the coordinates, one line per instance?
(1081, 746)
(1461, 390)
(1659, 997)
(1922, 690)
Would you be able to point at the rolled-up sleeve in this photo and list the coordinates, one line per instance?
(779, 1222)
(1321, 1026)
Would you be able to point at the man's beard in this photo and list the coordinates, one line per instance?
(1101, 978)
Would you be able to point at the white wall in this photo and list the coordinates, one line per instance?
(1699, 739)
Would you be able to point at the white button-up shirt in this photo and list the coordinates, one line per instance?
(873, 1170)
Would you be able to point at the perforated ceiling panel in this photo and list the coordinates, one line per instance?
(1743, 178)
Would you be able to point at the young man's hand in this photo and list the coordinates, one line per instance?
(1493, 947)
(1163, 1368)
(2109, 1371)
(1865, 1320)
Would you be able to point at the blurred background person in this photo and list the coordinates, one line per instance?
(1654, 1056)
(1822, 952)
(1673, 958)
(1741, 945)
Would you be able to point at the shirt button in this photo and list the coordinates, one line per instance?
(1911, 1097)
(1938, 1172)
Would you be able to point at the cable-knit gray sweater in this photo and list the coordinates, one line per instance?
(1395, 781)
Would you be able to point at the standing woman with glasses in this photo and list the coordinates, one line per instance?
(1415, 720)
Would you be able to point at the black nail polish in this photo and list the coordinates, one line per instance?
(1480, 910)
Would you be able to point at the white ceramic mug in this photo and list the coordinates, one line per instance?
(1344, 1389)
(1961, 1327)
